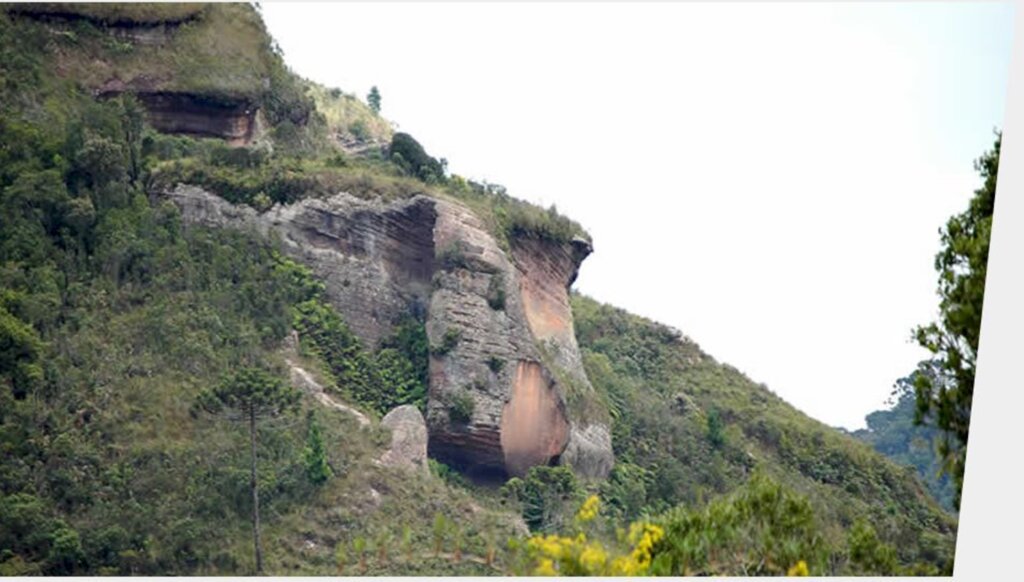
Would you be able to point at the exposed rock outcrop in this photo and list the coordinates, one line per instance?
(408, 438)
(234, 120)
(534, 428)
(305, 382)
(546, 272)
(512, 365)
(171, 57)
(375, 258)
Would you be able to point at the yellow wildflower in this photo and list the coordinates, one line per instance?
(593, 558)
(644, 536)
(799, 569)
(545, 567)
(624, 566)
(588, 511)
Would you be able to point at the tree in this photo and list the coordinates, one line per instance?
(314, 456)
(944, 399)
(410, 156)
(373, 99)
(544, 495)
(252, 393)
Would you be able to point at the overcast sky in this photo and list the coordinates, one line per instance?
(769, 179)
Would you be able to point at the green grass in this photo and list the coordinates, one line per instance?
(348, 118)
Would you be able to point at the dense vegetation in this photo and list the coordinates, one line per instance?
(894, 433)
(114, 319)
(665, 395)
(121, 329)
(394, 375)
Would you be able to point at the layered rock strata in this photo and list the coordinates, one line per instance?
(505, 369)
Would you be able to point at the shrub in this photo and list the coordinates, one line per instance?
(496, 292)
(448, 342)
(546, 496)
(446, 473)
(461, 407)
(868, 554)
(495, 364)
(413, 159)
(358, 130)
(760, 529)
(715, 428)
(453, 256)
(625, 490)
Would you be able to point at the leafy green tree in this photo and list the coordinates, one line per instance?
(944, 399)
(373, 99)
(409, 154)
(314, 456)
(547, 496)
(20, 348)
(254, 394)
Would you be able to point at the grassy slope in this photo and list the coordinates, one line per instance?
(349, 119)
(644, 369)
(217, 50)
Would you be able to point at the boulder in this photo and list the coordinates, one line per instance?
(408, 438)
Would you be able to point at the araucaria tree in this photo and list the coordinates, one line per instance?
(249, 395)
(944, 398)
(314, 456)
(373, 99)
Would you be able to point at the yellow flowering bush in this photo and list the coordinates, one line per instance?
(589, 510)
(799, 569)
(557, 555)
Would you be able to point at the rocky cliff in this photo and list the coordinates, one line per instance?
(500, 322)
(204, 70)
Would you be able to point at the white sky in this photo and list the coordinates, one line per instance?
(768, 178)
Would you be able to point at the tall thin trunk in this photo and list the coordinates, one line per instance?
(255, 491)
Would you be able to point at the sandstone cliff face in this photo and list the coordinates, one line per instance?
(233, 120)
(198, 69)
(545, 274)
(375, 259)
(511, 349)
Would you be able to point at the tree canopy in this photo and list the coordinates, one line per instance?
(250, 391)
(944, 399)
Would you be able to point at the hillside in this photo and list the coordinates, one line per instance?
(694, 427)
(892, 432)
(178, 208)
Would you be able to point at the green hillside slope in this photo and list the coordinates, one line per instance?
(893, 433)
(694, 428)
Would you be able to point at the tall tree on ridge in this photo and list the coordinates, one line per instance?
(373, 99)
